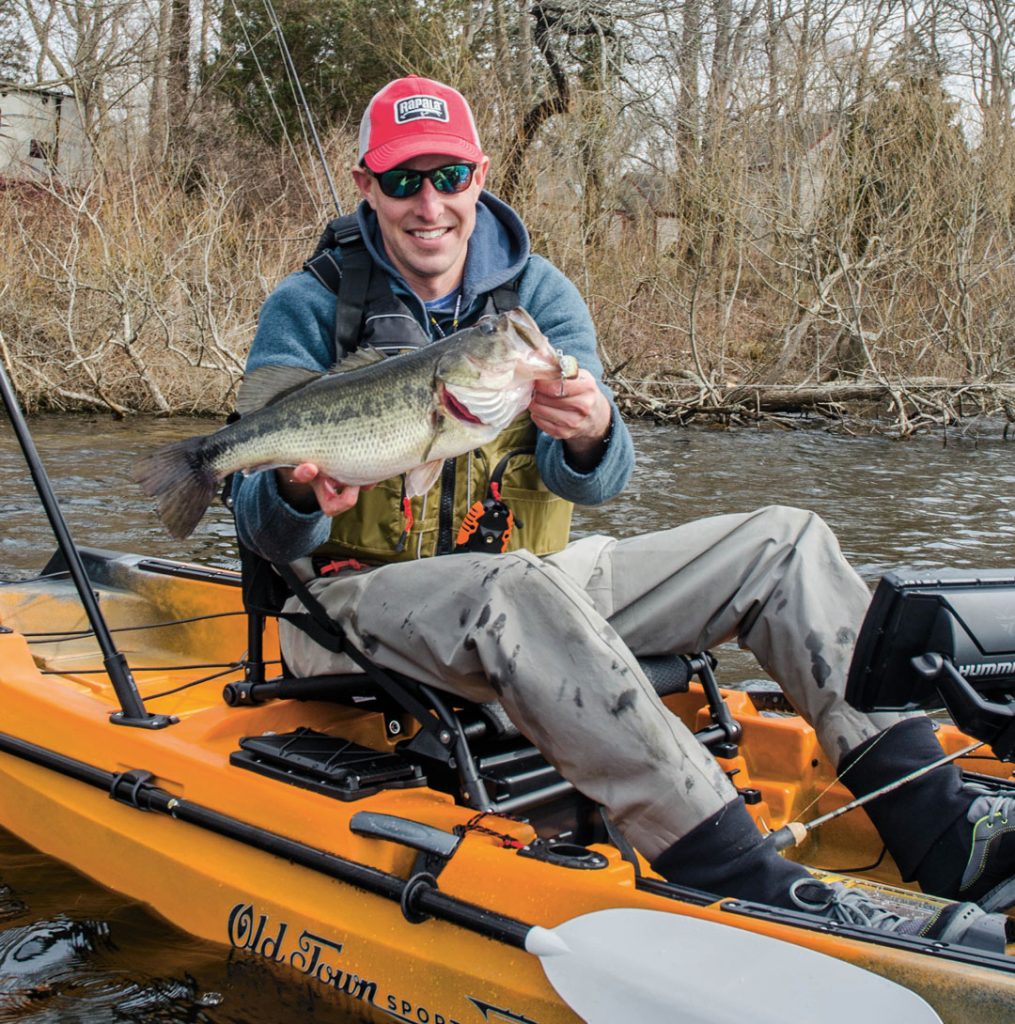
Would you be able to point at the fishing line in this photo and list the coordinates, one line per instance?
(793, 833)
(302, 100)
(838, 777)
(60, 635)
(271, 98)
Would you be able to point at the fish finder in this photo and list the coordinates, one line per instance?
(944, 640)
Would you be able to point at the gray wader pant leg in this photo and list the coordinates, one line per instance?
(552, 639)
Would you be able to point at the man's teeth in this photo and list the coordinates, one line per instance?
(433, 233)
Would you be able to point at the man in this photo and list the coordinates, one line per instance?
(548, 628)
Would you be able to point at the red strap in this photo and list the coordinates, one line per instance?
(339, 564)
(495, 490)
(409, 520)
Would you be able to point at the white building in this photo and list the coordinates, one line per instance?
(41, 135)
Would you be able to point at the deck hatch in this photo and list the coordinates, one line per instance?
(325, 764)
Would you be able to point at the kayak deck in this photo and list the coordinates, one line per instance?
(184, 633)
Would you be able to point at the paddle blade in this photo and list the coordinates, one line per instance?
(658, 968)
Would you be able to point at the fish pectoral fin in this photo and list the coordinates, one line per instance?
(420, 479)
(269, 383)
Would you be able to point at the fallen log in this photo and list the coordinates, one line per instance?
(931, 401)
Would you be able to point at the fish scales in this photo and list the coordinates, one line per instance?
(368, 420)
(352, 428)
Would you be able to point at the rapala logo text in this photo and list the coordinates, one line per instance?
(412, 108)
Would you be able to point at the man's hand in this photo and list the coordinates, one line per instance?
(306, 488)
(575, 411)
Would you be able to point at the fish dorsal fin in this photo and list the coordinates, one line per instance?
(269, 383)
(357, 360)
(420, 479)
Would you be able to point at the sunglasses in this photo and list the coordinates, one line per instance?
(401, 183)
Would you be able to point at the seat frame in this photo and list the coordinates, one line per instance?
(464, 748)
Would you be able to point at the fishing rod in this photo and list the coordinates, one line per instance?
(132, 710)
(795, 832)
(301, 99)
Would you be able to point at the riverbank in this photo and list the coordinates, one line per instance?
(847, 406)
(140, 295)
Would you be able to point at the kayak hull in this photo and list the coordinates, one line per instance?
(355, 943)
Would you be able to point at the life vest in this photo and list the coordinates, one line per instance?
(384, 526)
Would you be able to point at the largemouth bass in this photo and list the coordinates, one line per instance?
(367, 419)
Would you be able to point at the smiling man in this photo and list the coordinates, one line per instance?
(551, 627)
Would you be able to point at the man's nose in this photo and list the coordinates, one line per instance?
(429, 202)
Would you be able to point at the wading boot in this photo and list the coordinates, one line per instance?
(728, 856)
(956, 840)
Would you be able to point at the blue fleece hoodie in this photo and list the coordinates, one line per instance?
(296, 327)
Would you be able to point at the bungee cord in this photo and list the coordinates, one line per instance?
(58, 636)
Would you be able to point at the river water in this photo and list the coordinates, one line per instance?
(71, 951)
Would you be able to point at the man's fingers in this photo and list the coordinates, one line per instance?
(304, 473)
(332, 496)
(338, 501)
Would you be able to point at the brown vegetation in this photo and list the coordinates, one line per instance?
(804, 226)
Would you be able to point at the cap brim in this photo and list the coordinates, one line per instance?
(393, 154)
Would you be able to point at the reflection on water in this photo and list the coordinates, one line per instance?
(74, 953)
(70, 951)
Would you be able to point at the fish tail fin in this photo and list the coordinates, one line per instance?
(182, 483)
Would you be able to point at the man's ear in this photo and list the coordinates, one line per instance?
(364, 182)
(481, 168)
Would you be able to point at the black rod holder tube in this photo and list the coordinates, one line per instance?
(134, 790)
(132, 709)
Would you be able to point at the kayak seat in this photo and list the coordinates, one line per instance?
(473, 751)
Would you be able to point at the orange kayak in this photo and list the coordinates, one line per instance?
(300, 831)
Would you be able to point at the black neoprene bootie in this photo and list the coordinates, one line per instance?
(956, 840)
(727, 855)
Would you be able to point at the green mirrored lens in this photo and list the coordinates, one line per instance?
(452, 178)
(401, 183)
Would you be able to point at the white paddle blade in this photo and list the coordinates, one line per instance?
(657, 968)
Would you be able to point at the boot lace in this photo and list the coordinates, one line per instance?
(991, 808)
(841, 903)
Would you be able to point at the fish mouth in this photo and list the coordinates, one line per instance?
(537, 359)
(528, 330)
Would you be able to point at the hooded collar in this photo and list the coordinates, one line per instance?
(498, 249)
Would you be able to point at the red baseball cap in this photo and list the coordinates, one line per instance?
(413, 117)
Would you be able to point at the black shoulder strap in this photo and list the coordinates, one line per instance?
(355, 281)
(350, 281)
(505, 297)
(336, 232)
(324, 630)
(353, 291)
